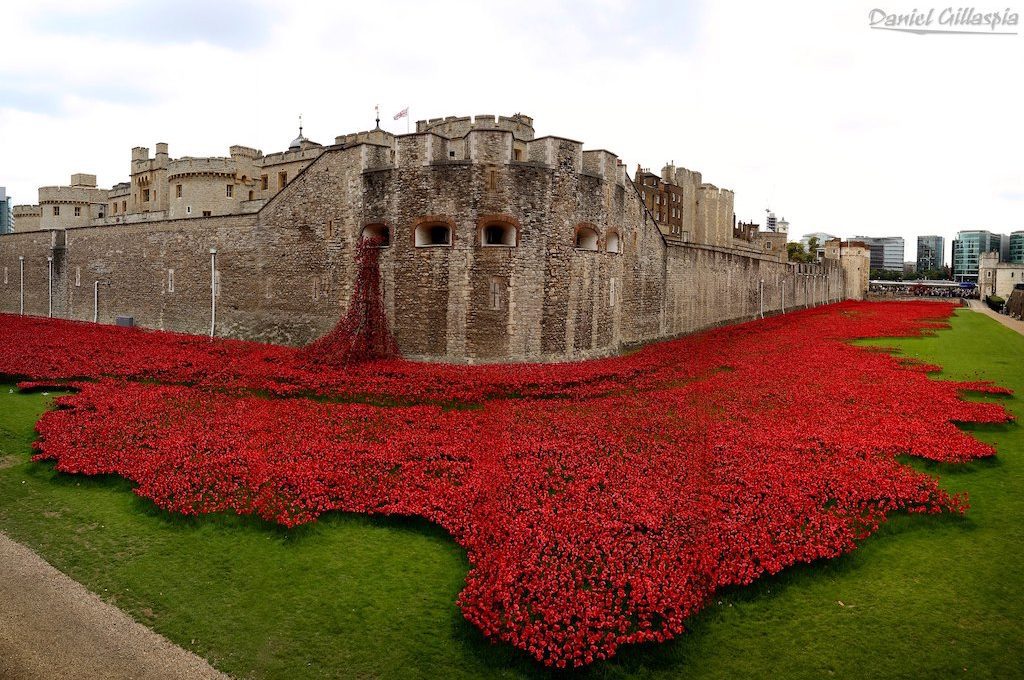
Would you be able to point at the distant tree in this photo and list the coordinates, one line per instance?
(812, 249)
(886, 275)
(795, 251)
(934, 274)
(942, 274)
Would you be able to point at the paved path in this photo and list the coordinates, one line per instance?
(52, 627)
(979, 306)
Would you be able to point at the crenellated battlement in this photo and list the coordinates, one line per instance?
(187, 165)
(375, 136)
(491, 146)
(26, 211)
(239, 151)
(459, 126)
(71, 194)
(292, 155)
(708, 189)
(484, 145)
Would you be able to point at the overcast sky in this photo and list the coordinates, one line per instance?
(798, 107)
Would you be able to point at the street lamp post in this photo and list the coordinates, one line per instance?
(213, 291)
(49, 287)
(96, 300)
(21, 295)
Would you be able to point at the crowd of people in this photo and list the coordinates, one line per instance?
(915, 289)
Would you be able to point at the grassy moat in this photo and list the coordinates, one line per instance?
(355, 596)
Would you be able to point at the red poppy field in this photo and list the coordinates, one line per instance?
(600, 503)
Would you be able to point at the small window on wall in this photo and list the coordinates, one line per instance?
(170, 280)
(124, 206)
(282, 179)
(586, 238)
(177, 191)
(229, 190)
(428, 235)
(207, 213)
(330, 229)
(264, 182)
(380, 233)
(78, 211)
(498, 234)
(250, 194)
(56, 211)
(613, 244)
(145, 195)
(78, 277)
(517, 154)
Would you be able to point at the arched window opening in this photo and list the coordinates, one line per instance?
(499, 234)
(586, 238)
(435, 234)
(380, 232)
(612, 246)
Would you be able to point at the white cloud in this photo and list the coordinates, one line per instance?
(797, 106)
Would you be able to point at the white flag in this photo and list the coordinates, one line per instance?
(403, 113)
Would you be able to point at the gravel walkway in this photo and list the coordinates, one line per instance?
(979, 306)
(52, 627)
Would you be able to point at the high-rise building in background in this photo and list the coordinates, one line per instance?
(931, 253)
(1017, 247)
(6, 212)
(968, 247)
(886, 252)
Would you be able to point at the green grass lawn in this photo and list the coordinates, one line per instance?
(351, 596)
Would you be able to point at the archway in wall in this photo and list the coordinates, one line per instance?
(380, 232)
(586, 238)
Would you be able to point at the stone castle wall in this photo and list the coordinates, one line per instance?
(285, 274)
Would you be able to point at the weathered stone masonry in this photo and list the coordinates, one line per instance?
(286, 272)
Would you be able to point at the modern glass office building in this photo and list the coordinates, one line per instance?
(6, 212)
(931, 253)
(1017, 247)
(967, 248)
(886, 252)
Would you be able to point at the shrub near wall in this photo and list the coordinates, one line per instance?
(995, 302)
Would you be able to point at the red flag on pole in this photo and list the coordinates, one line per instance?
(403, 113)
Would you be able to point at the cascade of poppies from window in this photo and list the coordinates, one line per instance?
(364, 332)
